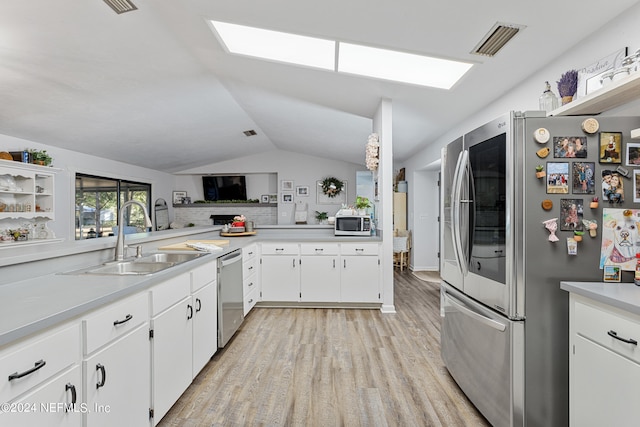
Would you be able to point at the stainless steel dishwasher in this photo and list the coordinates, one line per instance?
(230, 296)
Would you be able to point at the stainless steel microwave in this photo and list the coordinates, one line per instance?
(353, 225)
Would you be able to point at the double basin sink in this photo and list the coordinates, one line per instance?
(144, 265)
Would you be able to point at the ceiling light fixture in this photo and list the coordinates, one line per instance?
(340, 57)
(496, 38)
(121, 6)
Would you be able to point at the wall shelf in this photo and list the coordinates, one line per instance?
(613, 95)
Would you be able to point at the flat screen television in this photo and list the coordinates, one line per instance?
(225, 187)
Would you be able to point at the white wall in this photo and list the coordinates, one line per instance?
(302, 169)
(623, 31)
(69, 162)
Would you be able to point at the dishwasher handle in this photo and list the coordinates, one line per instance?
(231, 258)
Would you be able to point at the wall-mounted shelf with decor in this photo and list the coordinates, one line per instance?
(613, 95)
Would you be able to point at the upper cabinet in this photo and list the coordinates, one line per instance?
(26, 191)
(610, 96)
(26, 203)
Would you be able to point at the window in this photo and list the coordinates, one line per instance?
(98, 201)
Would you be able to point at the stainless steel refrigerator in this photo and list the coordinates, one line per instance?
(504, 317)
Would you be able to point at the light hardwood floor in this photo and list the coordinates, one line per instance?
(332, 367)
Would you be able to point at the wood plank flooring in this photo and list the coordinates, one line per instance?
(332, 367)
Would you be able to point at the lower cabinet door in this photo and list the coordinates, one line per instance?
(280, 278)
(360, 279)
(603, 387)
(117, 382)
(172, 351)
(205, 329)
(55, 403)
(320, 279)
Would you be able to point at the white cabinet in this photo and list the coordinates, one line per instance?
(250, 283)
(205, 319)
(360, 273)
(55, 403)
(116, 382)
(320, 272)
(172, 342)
(604, 364)
(116, 363)
(280, 268)
(39, 371)
(26, 194)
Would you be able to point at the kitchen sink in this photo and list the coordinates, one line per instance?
(168, 257)
(144, 265)
(131, 267)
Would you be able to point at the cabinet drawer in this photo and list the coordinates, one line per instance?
(319, 249)
(280, 249)
(249, 252)
(170, 292)
(114, 320)
(250, 300)
(249, 267)
(249, 284)
(203, 275)
(53, 351)
(597, 324)
(359, 249)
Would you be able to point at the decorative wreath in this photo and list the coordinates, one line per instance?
(332, 186)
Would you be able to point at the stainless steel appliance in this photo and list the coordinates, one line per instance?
(352, 225)
(504, 317)
(230, 296)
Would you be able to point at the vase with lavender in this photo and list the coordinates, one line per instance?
(567, 86)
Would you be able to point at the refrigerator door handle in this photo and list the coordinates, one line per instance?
(477, 316)
(458, 226)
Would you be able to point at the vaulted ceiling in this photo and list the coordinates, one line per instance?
(154, 87)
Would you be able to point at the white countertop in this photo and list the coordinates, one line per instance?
(625, 296)
(36, 303)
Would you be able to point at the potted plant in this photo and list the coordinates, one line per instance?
(322, 217)
(578, 236)
(40, 157)
(238, 221)
(568, 85)
(362, 203)
(540, 173)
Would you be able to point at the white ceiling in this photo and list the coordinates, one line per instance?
(154, 88)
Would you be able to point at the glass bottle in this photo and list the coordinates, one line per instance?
(548, 100)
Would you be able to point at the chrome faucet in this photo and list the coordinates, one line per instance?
(120, 242)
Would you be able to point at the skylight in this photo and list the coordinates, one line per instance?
(277, 46)
(400, 66)
(341, 57)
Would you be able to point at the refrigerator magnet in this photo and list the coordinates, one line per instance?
(541, 135)
(590, 125)
(572, 246)
(543, 152)
(547, 204)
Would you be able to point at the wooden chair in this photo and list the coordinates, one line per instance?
(402, 249)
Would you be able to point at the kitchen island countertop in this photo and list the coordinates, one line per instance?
(625, 296)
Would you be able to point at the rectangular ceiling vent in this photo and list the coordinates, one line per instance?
(496, 38)
(250, 132)
(121, 6)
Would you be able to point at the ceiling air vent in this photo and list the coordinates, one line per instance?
(496, 38)
(250, 132)
(121, 6)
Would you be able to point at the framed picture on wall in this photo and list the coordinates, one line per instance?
(302, 191)
(264, 198)
(286, 185)
(178, 197)
(287, 197)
